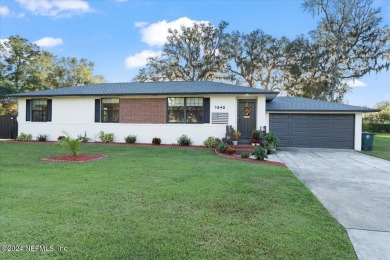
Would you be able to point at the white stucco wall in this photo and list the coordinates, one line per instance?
(358, 131)
(75, 115)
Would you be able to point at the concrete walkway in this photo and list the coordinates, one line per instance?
(355, 188)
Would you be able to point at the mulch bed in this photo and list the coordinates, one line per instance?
(82, 158)
(234, 157)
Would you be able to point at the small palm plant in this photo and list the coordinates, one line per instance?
(70, 144)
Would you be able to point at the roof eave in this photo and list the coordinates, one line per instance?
(338, 110)
(148, 94)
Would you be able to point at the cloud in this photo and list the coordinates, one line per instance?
(61, 8)
(140, 24)
(4, 11)
(120, 1)
(139, 59)
(156, 34)
(356, 83)
(49, 42)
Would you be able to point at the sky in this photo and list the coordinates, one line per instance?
(118, 35)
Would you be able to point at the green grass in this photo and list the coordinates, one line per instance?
(155, 202)
(381, 147)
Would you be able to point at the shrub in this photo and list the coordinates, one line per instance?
(130, 139)
(245, 155)
(230, 150)
(61, 137)
(184, 140)
(260, 153)
(42, 137)
(222, 147)
(72, 145)
(272, 140)
(156, 141)
(211, 142)
(24, 137)
(106, 138)
(84, 138)
(376, 127)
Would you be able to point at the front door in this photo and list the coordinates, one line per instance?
(246, 120)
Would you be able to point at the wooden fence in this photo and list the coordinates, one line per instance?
(8, 127)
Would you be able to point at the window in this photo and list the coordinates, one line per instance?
(38, 110)
(185, 110)
(110, 110)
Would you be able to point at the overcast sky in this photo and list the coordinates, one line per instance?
(118, 35)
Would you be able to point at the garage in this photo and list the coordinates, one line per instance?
(313, 130)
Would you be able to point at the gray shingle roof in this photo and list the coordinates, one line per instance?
(150, 88)
(310, 105)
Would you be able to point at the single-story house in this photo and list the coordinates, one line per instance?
(198, 109)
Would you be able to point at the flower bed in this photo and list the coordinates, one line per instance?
(235, 157)
(78, 159)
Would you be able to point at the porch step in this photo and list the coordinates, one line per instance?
(240, 148)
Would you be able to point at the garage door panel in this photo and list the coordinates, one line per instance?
(314, 130)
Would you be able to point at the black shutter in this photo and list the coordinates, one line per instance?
(97, 110)
(206, 110)
(28, 109)
(49, 105)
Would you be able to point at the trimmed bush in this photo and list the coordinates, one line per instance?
(156, 141)
(222, 147)
(211, 142)
(84, 138)
(260, 153)
(130, 139)
(42, 137)
(230, 150)
(24, 137)
(184, 140)
(376, 127)
(245, 155)
(106, 138)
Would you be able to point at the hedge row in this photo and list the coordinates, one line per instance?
(376, 128)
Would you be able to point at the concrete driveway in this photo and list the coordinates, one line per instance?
(355, 188)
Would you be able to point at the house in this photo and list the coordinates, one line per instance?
(198, 109)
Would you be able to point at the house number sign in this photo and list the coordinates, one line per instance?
(219, 107)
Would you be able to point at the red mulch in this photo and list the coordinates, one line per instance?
(81, 158)
(234, 157)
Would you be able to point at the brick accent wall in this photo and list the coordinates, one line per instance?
(143, 110)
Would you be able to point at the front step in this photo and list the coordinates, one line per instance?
(240, 148)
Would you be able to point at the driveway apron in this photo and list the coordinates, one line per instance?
(355, 188)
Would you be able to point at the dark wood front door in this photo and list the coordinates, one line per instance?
(246, 120)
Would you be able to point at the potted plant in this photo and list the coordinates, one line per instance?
(255, 137)
(235, 135)
(272, 141)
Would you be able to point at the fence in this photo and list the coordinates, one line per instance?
(8, 127)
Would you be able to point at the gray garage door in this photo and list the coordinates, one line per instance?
(313, 130)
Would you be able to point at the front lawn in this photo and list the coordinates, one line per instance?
(381, 147)
(159, 203)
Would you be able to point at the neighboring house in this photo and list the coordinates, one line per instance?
(198, 109)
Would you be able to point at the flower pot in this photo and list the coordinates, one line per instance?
(235, 142)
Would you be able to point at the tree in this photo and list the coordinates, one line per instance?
(190, 54)
(25, 67)
(381, 117)
(350, 39)
(74, 72)
(255, 58)
(304, 71)
(17, 55)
